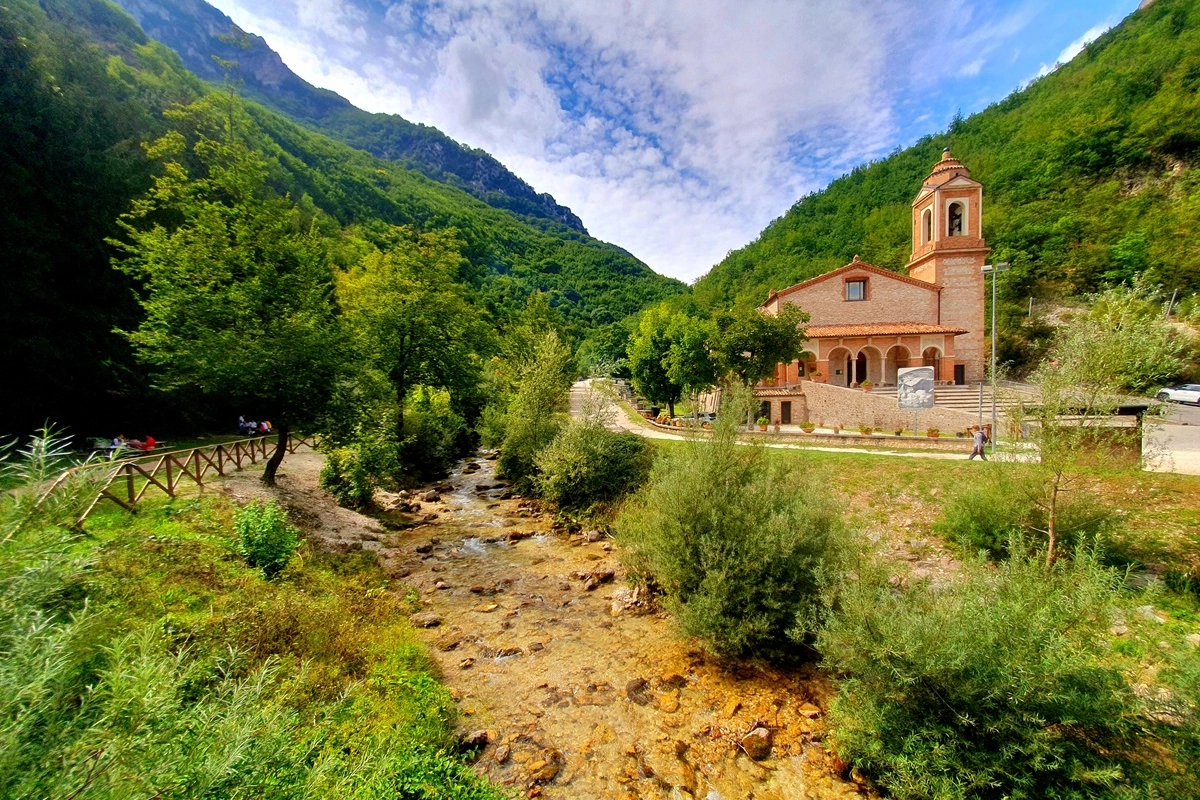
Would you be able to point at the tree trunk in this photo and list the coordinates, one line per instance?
(277, 457)
(671, 409)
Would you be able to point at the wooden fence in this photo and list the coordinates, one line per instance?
(130, 478)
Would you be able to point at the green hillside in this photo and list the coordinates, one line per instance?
(214, 48)
(81, 87)
(1090, 178)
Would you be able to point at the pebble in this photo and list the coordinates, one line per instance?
(425, 619)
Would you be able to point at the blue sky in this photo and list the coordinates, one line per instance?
(677, 128)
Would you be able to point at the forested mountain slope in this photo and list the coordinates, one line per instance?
(81, 88)
(1091, 176)
(198, 32)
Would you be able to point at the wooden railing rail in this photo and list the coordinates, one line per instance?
(129, 479)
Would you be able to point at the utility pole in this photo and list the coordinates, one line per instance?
(993, 269)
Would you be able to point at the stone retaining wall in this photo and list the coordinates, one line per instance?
(833, 405)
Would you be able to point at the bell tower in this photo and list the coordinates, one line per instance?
(949, 251)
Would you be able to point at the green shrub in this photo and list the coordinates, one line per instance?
(434, 434)
(997, 686)
(345, 476)
(534, 414)
(588, 464)
(742, 547)
(985, 514)
(265, 539)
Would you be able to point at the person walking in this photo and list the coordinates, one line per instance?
(979, 439)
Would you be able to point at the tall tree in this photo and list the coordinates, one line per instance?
(237, 286)
(649, 350)
(689, 360)
(749, 344)
(410, 318)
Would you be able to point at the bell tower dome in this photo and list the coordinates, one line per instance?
(949, 251)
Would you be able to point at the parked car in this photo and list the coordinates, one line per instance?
(1184, 393)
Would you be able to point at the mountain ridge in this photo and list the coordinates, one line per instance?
(197, 32)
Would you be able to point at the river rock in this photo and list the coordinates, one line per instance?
(449, 641)
(502, 753)
(757, 743)
(543, 770)
(1148, 613)
(809, 710)
(477, 739)
(424, 547)
(425, 619)
(1193, 639)
(673, 680)
(637, 691)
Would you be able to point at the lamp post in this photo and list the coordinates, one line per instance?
(994, 269)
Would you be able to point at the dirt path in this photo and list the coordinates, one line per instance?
(580, 689)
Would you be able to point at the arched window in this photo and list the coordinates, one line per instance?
(927, 226)
(954, 220)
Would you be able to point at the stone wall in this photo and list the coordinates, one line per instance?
(850, 408)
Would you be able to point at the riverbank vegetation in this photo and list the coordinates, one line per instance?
(147, 658)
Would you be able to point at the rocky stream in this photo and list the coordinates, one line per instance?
(572, 684)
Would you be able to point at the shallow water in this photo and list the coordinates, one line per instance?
(584, 694)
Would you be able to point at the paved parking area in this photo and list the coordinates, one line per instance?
(1172, 444)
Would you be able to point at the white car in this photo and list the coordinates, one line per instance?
(1184, 393)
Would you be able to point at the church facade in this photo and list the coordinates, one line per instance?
(867, 322)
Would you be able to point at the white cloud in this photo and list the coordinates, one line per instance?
(1075, 48)
(676, 129)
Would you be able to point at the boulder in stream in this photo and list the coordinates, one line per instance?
(757, 743)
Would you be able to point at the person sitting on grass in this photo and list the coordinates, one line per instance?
(144, 446)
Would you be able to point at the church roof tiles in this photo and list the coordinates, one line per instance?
(878, 329)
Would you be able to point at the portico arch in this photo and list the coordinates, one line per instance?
(841, 365)
(897, 359)
(932, 357)
(868, 365)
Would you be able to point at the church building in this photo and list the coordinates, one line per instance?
(867, 322)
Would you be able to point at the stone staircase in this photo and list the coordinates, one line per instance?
(967, 398)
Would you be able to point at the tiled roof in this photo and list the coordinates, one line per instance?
(777, 391)
(877, 329)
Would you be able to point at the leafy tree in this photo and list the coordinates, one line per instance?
(536, 412)
(237, 285)
(749, 344)
(689, 361)
(409, 318)
(1123, 344)
(649, 350)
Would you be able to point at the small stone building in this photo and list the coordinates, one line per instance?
(867, 322)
